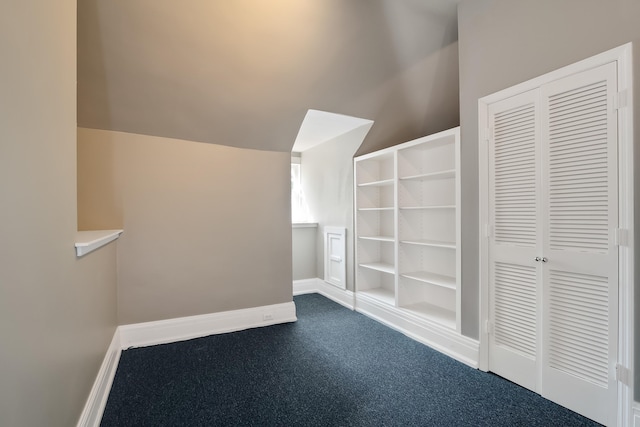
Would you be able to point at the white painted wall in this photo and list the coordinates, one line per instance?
(57, 311)
(327, 180)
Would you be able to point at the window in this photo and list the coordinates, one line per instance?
(299, 210)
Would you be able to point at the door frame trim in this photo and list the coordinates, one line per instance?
(622, 55)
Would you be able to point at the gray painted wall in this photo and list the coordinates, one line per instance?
(207, 227)
(57, 313)
(304, 251)
(505, 42)
(327, 181)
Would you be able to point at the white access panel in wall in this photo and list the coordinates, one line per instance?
(334, 256)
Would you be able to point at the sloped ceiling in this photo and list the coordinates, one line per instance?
(244, 73)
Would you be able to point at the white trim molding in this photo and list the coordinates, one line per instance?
(636, 415)
(335, 253)
(431, 334)
(97, 400)
(185, 328)
(343, 297)
(174, 330)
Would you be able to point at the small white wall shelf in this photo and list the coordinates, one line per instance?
(89, 241)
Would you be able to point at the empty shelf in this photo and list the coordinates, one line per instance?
(407, 208)
(380, 266)
(378, 238)
(380, 183)
(432, 243)
(450, 173)
(432, 279)
(388, 208)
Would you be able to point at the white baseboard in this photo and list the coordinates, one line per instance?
(173, 330)
(305, 286)
(636, 414)
(310, 286)
(185, 328)
(97, 400)
(438, 337)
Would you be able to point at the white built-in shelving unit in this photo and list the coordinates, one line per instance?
(407, 201)
(428, 228)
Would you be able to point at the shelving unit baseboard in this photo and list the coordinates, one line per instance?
(431, 312)
(427, 331)
(379, 294)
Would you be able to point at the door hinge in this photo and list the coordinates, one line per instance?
(621, 237)
(621, 99)
(488, 230)
(488, 327)
(622, 374)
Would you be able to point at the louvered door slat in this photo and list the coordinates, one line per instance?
(576, 115)
(577, 143)
(583, 355)
(515, 317)
(515, 175)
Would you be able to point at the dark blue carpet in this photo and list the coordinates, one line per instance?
(333, 367)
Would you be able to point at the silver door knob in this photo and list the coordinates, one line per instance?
(544, 259)
(537, 259)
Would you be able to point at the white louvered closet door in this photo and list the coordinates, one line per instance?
(580, 272)
(514, 193)
(553, 263)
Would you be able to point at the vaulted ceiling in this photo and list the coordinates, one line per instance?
(244, 73)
